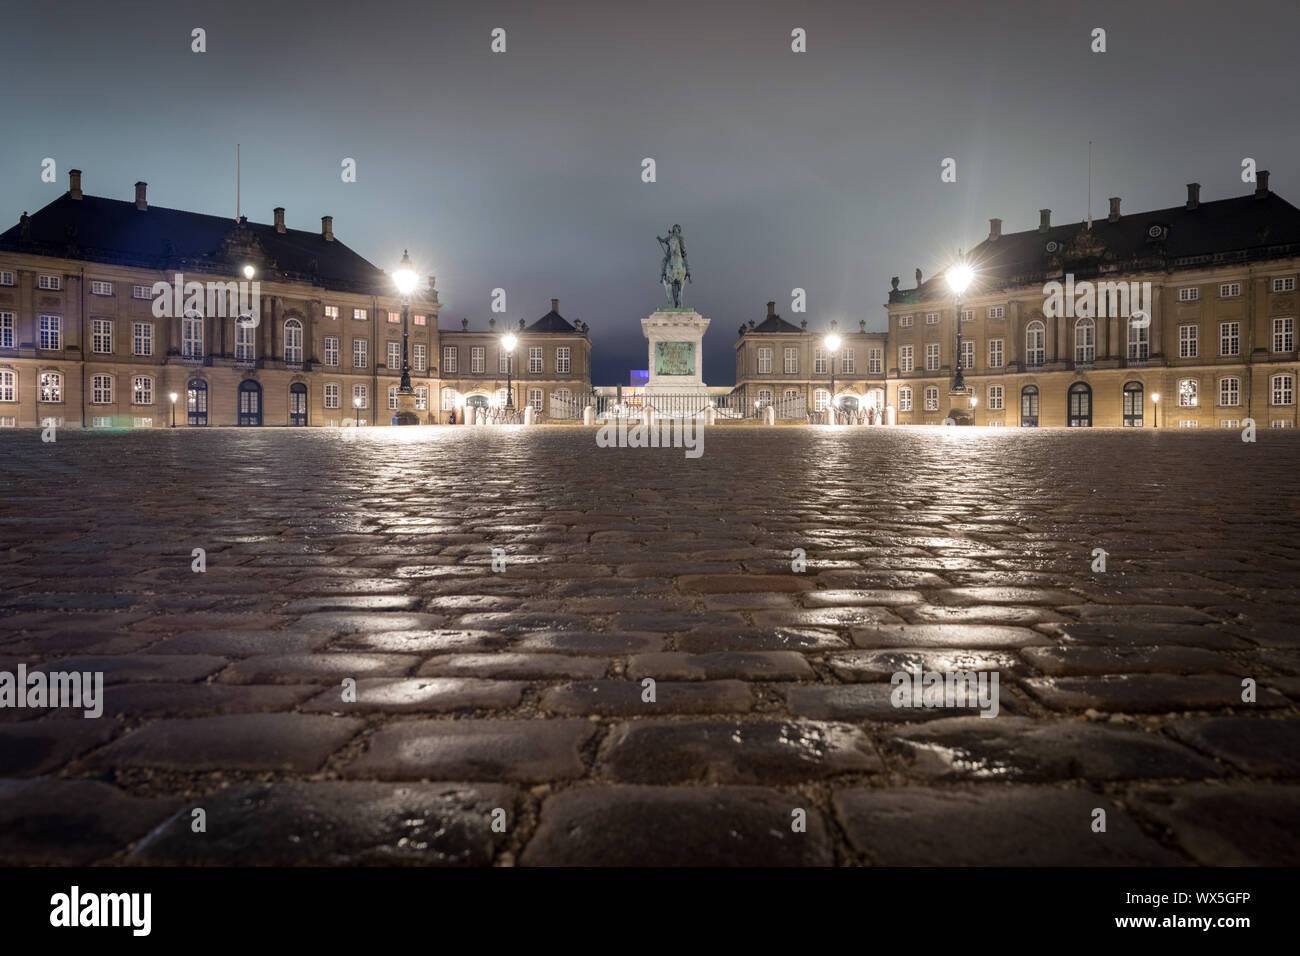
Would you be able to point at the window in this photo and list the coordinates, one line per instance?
(764, 361)
(904, 399)
(1187, 390)
(563, 361)
(419, 320)
(995, 353)
(1229, 338)
(819, 361)
(1080, 405)
(142, 338)
(331, 395)
(932, 318)
(791, 361)
(1229, 290)
(359, 315)
(821, 400)
(1282, 423)
(1189, 294)
(478, 359)
(99, 421)
(1035, 339)
(51, 332)
(192, 336)
(293, 342)
(968, 355)
(395, 355)
(6, 278)
(968, 315)
(501, 398)
(1282, 390)
(1187, 341)
(8, 386)
(141, 292)
(360, 353)
(449, 359)
(995, 398)
(1284, 335)
(1029, 406)
(360, 396)
(419, 356)
(904, 321)
(1229, 391)
(245, 339)
(101, 390)
(392, 398)
(99, 287)
(139, 422)
(1284, 285)
(874, 361)
(997, 312)
(931, 398)
(791, 394)
(1187, 423)
(932, 357)
(448, 399)
(51, 387)
(142, 390)
(6, 330)
(848, 362)
(1139, 342)
(331, 351)
(905, 358)
(422, 398)
(535, 399)
(764, 397)
(1134, 404)
(1229, 423)
(331, 311)
(534, 360)
(52, 283)
(1085, 342)
(504, 361)
(394, 317)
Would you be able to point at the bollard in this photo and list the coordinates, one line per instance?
(478, 417)
(891, 415)
(769, 414)
(528, 414)
(589, 415)
(710, 415)
(648, 417)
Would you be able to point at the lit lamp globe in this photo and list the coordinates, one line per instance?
(959, 278)
(833, 342)
(404, 277)
(509, 343)
(249, 272)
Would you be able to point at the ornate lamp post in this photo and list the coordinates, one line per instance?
(356, 404)
(1155, 411)
(405, 278)
(508, 343)
(174, 396)
(959, 277)
(832, 346)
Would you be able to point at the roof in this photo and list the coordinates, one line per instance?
(113, 231)
(1255, 226)
(551, 322)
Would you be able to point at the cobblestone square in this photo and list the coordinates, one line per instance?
(431, 646)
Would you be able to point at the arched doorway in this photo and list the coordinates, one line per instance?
(1080, 406)
(297, 404)
(1029, 406)
(473, 404)
(250, 403)
(196, 401)
(847, 403)
(1134, 404)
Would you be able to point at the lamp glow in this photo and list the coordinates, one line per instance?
(249, 272)
(833, 342)
(509, 342)
(404, 277)
(959, 277)
(174, 396)
(1155, 397)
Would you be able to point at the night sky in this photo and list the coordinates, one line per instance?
(818, 170)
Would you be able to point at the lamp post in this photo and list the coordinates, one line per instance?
(404, 278)
(1155, 411)
(356, 404)
(973, 402)
(832, 346)
(959, 277)
(174, 397)
(508, 342)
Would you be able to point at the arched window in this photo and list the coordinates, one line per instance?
(245, 342)
(1139, 339)
(1134, 404)
(1035, 343)
(764, 397)
(196, 400)
(1029, 406)
(1281, 390)
(1080, 405)
(298, 404)
(293, 341)
(51, 387)
(142, 390)
(1085, 341)
(905, 399)
(1188, 393)
(250, 403)
(192, 335)
(448, 399)
(931, 398)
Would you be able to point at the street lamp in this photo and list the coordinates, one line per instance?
(973, 402)
(508, 343)
(356, 404)
(249, 272)
(174, 397)
(404, 278)
(959, 277)
(832, 346)
(1155, 400)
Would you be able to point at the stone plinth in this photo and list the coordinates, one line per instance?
(674, 338)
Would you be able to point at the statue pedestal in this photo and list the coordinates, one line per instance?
(406, 414)
(675, 351)
(959, 407)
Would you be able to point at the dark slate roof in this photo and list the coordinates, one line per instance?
(113, 231)
(1221, 231)
(774, 323)
(551, 322)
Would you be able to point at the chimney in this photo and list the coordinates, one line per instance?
(140, 202)
(918, 278)
(771, 309)
(995, 228)
(279, 218)
(1261, 184)
(1114, 209)
(74, 183)
(1044, 220)
(327, 228)
(555, 305)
